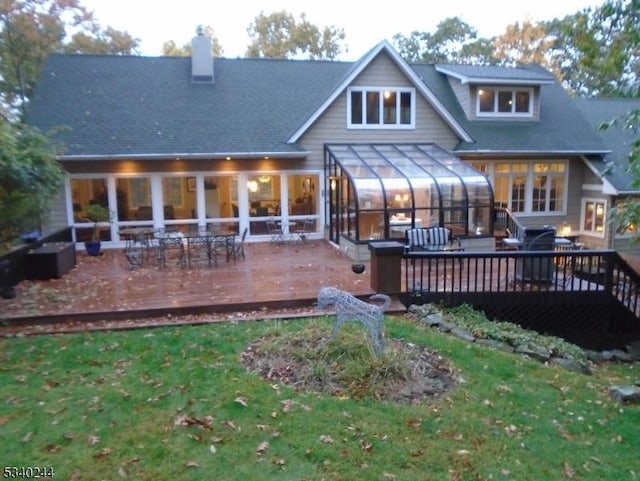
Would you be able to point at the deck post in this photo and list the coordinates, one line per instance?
(386, 266)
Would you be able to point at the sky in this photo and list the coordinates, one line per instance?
(155, 22)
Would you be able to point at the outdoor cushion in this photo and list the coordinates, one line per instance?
(438, 236)
(417, 238)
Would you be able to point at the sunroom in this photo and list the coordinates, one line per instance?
(378, 191)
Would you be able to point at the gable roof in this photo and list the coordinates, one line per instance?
(364, 62)
(613, 167)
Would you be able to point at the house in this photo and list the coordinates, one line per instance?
(364, 149)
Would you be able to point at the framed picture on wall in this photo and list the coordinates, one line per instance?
(191, 184)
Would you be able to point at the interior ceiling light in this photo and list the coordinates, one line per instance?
(264, 179)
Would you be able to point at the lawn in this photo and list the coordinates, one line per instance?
(175, 403)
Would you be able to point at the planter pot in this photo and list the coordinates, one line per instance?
(30, 237)
(93, 247)
(357, 268)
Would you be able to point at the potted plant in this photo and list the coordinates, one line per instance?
(96, 213)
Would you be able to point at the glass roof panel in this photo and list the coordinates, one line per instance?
(369, 193)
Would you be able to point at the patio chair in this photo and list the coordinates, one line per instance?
(238, 247)
(304, 230)
(277, 236)
(171, 244)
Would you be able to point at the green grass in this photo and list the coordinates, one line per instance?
(162, 404)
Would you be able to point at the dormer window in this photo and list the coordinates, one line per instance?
(375, 107)
(504, 102)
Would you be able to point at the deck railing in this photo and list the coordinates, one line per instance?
(546, 290)
(505, 221)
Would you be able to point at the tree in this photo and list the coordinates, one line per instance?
(171, 49)
(454, 41)
(104, 42)
(625, 215)
(31, 29)
(29, 178)
(280, 35)
(526, 43)
(600, 49)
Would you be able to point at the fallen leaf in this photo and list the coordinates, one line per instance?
(262, 448)
(366, 446)
(567, 471)
(212, 449)
(191, 464)
(103, 454)
(92, 440)
(413, 423)
(242, 401)
(325, 438)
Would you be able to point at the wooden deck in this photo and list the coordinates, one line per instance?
(272, 276)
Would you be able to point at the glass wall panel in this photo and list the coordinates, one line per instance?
(179, 197)
(264, 202)
(303, 195)
(134, 202)
(221, 202)
(85, 192)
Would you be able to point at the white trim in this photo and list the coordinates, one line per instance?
(529, 174)
(596, 187)
(495, 113)
(466, 79)
(404, 68)
(381, 125)
(185, 156)
(583, 205)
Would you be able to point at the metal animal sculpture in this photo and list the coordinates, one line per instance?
(351, 309)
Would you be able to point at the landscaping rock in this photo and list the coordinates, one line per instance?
(634, 350)
(625, 394)
(444, 326)
(434, 320)
(616, 355)
(462, 334)
(500, 346)
(534, 352)
(572, 365)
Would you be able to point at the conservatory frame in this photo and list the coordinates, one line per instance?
(378, 191)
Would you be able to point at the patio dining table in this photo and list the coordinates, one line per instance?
(193, 244)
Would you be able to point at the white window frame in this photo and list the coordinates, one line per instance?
(496, 112)
(491, 174)
(381, 92)
(583, 215)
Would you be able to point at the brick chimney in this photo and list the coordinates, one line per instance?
(201, 58)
